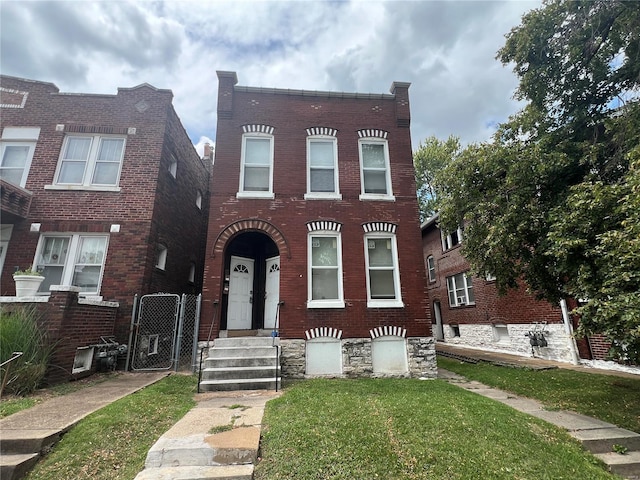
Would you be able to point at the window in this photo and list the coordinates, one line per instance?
(383, 278)
(173, 166)
(199, 200)
(460, 290)
(256, 177)
(451, 240)
(16, 153)
(322, 176)
(325, 275)
(161, 256)
(431, 267)
(76, 260)
(192, 273)
(90, 161)
(375, 173)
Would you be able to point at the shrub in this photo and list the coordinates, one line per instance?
(20, 331)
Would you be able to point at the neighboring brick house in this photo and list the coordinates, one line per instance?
(314, 230)
(102, 192)
(468, 311)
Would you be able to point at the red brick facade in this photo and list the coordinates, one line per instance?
(281, 225)
(148, 206)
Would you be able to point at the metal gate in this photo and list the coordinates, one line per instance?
(164, 332)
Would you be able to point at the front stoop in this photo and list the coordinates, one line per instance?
(20, 450)
(242, 363)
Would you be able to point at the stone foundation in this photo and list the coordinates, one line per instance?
(484, 337)
(357, 361)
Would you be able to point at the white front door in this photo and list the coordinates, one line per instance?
(271, 292)
(240, 294)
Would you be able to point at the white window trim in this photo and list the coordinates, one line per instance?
(27, 164)
(376, 196)
(335, 195)
(447, 240)
(69, 265)
(173, 166)
(332, 303)
(253, 194)
(457, 287)
(89, 167)
(384, 303)
(199, 199)
(431, 268)
(161, 256)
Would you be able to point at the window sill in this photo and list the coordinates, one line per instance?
(325, 304)
(463, 306)
(261, 195)
(377, 196)
(83, 187)
(385, 304)
(322, 196)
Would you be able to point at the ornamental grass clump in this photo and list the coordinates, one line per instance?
(20, 331)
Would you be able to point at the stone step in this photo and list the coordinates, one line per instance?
(246, 342)
(14, 466)
(222, 362)
(27, 441)
(242, 352)
(222, 472)
(229, 373)
(239, 384)
(602, 440)
(627, 465)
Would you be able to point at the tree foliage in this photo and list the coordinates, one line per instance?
(432, 157)
(554, 199)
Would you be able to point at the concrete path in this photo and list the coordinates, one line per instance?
(217, 439)
(596, 436)
(26, 434)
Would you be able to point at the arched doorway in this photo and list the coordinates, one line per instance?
(252, 282)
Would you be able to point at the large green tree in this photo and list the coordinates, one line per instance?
(553, 199)
(431, 157)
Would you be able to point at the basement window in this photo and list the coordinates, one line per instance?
(500, 333)
(83, 359)
(455, 330)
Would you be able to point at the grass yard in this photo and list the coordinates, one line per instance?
(607, 397)
(112, 443)
(410, 429)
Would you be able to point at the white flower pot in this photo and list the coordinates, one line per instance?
(27, 285)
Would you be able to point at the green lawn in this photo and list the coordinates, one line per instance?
(607, 397)
(410, 429)
(112, 443)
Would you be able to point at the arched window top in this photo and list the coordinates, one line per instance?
(387, 331)
(258, 129)
(323, 332)
(241, 268)
(327, 131)
(372, 133)
(387, 227)
(324, 225)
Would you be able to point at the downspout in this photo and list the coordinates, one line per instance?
(568, 328)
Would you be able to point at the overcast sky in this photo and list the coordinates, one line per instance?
(446, 49)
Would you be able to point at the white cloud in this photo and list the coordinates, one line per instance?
(445, 48)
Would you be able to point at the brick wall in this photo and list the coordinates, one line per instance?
(290, 114)
(150, 206)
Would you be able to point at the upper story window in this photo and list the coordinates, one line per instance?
(16, 152)
(322, 164)
(451, 240)
(72, 259)
(161, 256)
(192, 273)
(460, 288)
(375, 172)
(431, 268)
(325, 265)
(173, 166)
(381, 257)
(256, 175)
(199, 199)
(90, 161)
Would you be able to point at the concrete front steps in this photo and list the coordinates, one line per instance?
(241, 363)
(19, 451)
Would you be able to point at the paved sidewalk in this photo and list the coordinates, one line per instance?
(24, 435)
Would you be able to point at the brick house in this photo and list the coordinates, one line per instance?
(314, 230)
(468, 311)
(104, 193)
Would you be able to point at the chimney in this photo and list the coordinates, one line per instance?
(401, 92)
(226, 81)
